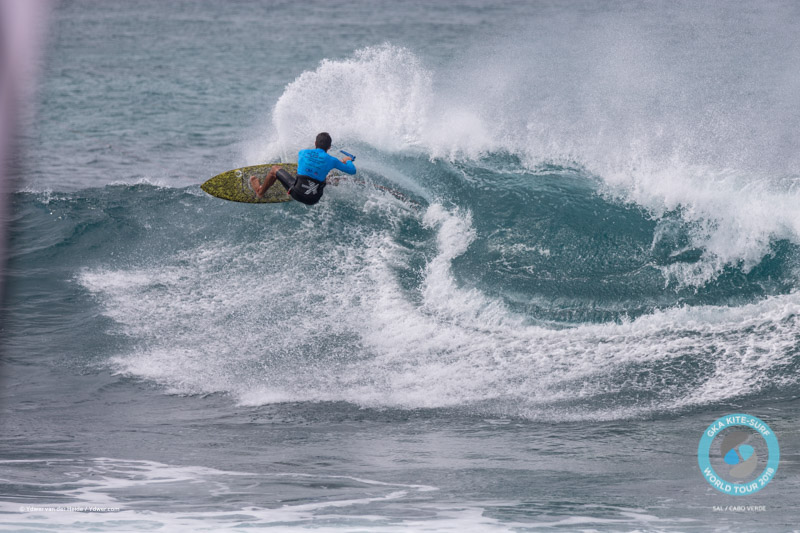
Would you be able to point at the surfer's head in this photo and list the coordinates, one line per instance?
(323, 141)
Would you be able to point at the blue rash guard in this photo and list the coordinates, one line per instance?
(316, 164)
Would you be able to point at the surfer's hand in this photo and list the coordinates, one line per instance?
(346, 159)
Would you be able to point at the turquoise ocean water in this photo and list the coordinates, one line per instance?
(597, 256)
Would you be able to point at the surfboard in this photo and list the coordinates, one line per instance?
(234, 185)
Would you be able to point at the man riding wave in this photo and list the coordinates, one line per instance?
(313, 167)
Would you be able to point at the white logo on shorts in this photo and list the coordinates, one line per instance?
(310, 189)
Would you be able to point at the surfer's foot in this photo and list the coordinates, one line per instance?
(256, 186)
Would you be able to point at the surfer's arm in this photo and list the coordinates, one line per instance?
(345, 165)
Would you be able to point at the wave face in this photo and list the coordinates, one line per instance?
(602, 223)
(525, 293)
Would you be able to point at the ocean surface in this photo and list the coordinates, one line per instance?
(593, 255)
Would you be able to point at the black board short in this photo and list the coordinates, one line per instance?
(302, 188)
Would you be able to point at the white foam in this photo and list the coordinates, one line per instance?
(102, 489)
(263, 331)
(138, 495)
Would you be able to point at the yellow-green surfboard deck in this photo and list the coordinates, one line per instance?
(234, 185)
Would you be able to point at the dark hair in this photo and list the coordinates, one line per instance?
(323, 141)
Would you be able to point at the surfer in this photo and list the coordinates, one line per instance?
(312, 168)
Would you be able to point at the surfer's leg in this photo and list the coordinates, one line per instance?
(286, 179)
(269, 182)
